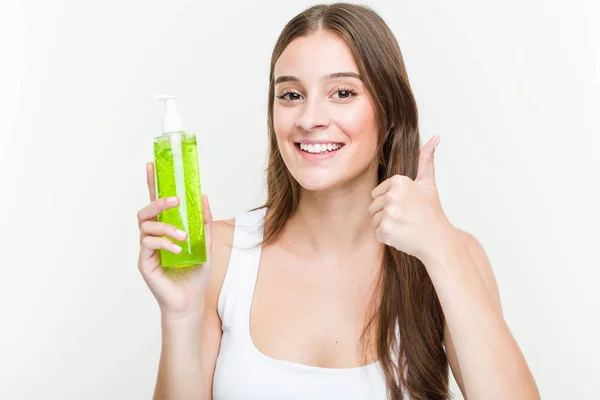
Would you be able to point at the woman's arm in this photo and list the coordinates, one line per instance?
(487, 274)
(408, 215)
(180, 363)
(190, 346)
(485, 358)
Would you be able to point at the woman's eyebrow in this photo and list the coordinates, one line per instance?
(286, 78)
(343, 75)
(290, 78)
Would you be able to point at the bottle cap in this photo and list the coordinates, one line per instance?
(171, 119)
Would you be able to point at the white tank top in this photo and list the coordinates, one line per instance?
(242, 372)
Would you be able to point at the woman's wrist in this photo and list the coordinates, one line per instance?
(188, 319)
(181, 333)
(446, 244)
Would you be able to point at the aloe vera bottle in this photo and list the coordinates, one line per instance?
(177, 174)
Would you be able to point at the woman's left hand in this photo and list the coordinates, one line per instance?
(408, 214)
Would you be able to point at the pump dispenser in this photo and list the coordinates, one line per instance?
(177, 174)
(171, 120)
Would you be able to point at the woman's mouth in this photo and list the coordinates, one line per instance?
(319, 148)
(318, 152)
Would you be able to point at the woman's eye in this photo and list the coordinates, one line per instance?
(290, 96)
(344, 93)
(341, 94)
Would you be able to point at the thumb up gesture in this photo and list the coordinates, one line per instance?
(407, 214)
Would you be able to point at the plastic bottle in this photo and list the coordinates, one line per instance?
(177, 174)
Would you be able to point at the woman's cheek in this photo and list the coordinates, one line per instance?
(357, 120)
(283, 120)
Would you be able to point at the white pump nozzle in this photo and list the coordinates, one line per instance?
(171, 120)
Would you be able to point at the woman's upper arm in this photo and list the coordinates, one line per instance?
(479, 256)
(222, 239)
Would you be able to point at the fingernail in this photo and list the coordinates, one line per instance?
(437, 142)
(176, 248)
(172, 200)
(180, 233)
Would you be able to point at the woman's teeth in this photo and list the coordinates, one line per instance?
(320, 148)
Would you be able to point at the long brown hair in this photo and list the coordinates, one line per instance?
(407, 300)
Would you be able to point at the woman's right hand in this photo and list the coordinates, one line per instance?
(180, 292)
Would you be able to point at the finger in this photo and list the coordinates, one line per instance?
(376, 221)
(208, 219)
(426, 171)
(153, 228)
(150, 181)
(152, 243)
(396, 181)
(377, 205)
(150, 212)
(381, 189)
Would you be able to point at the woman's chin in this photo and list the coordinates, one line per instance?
(326, 182)
(317, 184)
(321, 181)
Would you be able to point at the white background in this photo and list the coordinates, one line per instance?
(513, 88)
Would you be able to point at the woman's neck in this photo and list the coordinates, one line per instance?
(336, 220)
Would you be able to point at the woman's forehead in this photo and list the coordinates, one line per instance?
(315, 56)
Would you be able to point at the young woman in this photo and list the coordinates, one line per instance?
(350, 282)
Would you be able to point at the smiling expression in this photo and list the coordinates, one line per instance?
(324, 118)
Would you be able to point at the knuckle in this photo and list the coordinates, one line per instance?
(168, 229)
(402, 180)
(147, 242)
(156, 206)
(165, 204)
(384, 226)
(391, 197)
(388, 213)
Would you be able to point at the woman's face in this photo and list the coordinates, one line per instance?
(324, 118)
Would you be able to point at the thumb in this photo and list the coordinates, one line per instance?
(426, 172)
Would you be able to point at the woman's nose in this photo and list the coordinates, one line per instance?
(315, 115)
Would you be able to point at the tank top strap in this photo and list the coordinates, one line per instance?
(238, 286)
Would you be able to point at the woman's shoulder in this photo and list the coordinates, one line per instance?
(222, 233)
(222, 243)
(223, 236)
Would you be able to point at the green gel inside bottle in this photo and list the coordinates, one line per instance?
(177, 174)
